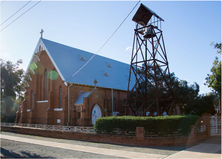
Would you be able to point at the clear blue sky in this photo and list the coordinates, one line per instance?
(189, 28)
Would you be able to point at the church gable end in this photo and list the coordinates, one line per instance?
(42, 94)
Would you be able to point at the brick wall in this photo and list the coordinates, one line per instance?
(188, 140)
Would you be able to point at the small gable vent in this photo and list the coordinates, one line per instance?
(106, 74)
(109, 65)
(82, 58)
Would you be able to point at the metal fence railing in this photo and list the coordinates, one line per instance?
(51, 127)
(215, 124)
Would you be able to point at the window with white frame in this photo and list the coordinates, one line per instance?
(31, 100)
(45, 91)
(60, 97)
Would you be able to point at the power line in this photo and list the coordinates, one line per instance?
(20, 16)
(104, 43)
(16, 12)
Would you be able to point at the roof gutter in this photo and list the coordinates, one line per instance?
(94, 86)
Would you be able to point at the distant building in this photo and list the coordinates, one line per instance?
(55, 97)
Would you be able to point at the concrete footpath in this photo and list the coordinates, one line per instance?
(102, 151)
(209, 148)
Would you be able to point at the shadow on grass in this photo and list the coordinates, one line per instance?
(10, 154)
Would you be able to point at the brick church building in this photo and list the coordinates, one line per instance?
(58, 93)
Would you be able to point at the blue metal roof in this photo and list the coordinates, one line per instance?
(81, 96)
(68, 60)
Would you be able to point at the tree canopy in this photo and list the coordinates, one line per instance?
(213, 80)
(218, 47)
(186, 96)
(11, 76)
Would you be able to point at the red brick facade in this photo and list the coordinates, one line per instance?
(45, 105)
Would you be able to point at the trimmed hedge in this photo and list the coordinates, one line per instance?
(161, 125)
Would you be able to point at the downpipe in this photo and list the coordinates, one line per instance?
(69, 105)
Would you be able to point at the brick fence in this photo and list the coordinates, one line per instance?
(138, 140)
(113, 139)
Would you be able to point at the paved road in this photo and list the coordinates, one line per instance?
(17, 149)
(19, 145)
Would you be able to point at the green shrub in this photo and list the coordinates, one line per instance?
(177, 124)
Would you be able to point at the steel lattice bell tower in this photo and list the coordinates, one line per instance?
(151, 91)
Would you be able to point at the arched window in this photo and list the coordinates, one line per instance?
(31, 100)
(40, 88)
(45, 91)
(49, 80)
(60, 97)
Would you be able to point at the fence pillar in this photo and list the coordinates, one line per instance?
(206, 121)
(219, 123)
(140, 133)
